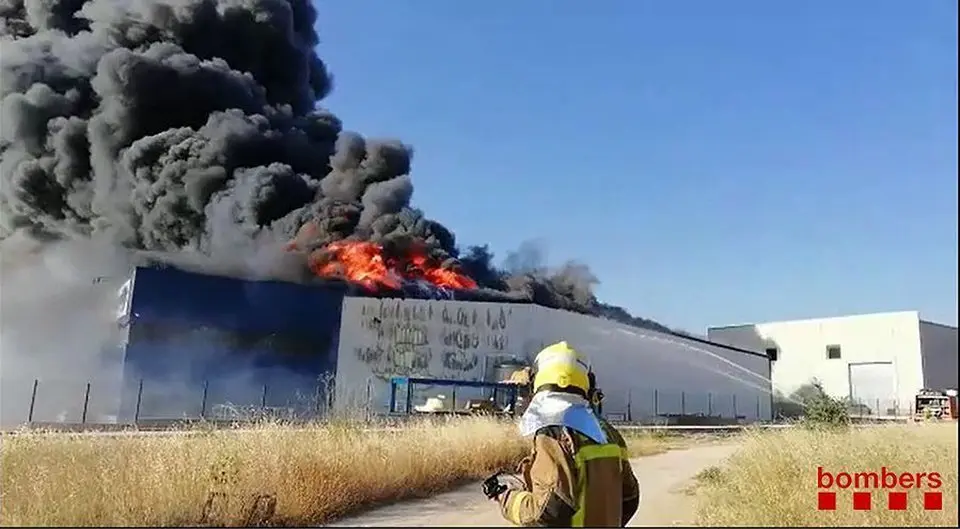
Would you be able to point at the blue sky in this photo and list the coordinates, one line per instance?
(713, 162)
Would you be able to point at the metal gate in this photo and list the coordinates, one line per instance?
(873, 388)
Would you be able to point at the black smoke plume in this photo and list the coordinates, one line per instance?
(173, 126)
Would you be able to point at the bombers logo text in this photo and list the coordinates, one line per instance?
(862, 482)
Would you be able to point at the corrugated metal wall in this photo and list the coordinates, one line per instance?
(245, 340)
(643, 373)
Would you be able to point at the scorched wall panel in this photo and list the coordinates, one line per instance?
(236, 336)
(641, 371)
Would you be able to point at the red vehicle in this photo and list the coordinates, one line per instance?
(935, 404)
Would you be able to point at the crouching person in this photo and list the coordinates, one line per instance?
(578, 474)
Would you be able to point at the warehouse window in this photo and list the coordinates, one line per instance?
(833, 352)
(772, 353)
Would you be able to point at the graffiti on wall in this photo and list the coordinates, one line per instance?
(431, 340)
(467, 334)
(399, 343)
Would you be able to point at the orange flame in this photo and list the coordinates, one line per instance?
(364, 263)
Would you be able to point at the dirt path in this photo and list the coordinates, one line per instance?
(663, 479)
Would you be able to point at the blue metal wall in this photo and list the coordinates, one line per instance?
(232, 340)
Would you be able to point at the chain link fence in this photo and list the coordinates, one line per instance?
(115, 402)
(141, 401)
(857, 408)
(669, 406)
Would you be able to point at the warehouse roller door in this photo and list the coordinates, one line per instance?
(873, 386)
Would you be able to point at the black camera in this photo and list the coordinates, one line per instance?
(492, 486)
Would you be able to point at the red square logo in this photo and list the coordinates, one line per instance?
(933, 501)
(861, 501)
(897, 501)
(826, 501)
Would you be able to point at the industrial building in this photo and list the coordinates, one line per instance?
(879, 360)
(196, 343)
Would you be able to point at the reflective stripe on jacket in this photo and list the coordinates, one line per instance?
(571, 481)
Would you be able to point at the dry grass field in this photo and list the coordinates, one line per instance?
(284, 476)
(772, 481)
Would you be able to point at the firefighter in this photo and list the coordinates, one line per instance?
(578, 473)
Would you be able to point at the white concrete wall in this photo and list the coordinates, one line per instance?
(938, 345)
(886, 337)
(640, 371)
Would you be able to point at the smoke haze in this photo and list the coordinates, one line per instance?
(189, 131)
(58, 324)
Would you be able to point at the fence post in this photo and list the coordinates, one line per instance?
(629, 405)
(656, 403)
(393, 398)
(709, 404)
(263, 397)
(683, 403)
(86, 402)
(331, 388)
(318, 399)
(33, 400)
(203, 399)
(368, 407)
(408, 405)
(136, 412)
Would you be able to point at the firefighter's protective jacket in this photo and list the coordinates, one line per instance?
(573, 481)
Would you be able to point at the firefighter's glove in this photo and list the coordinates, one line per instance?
(494, 486)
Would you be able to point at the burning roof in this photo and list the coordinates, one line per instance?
(371, 265)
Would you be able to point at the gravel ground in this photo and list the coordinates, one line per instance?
(663, 480)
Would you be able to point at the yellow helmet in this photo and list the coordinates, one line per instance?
(562, 366)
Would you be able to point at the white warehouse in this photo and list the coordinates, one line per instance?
(644, 374)
(879, 360)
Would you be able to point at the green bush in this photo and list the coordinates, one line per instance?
(822, 410)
